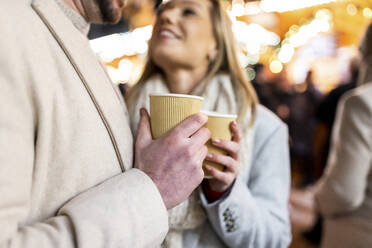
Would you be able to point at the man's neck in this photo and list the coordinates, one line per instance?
(88, 9)
(77, 6)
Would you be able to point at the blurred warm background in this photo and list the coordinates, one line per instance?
(298, 35)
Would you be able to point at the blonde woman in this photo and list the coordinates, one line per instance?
(192, 51)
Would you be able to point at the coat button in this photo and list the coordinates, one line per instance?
(229, 218)
(227, 212)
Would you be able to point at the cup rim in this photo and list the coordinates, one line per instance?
(216, 114)
(180, 95)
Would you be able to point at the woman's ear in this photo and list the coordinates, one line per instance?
(212, 54)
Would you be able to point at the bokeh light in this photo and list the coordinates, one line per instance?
(276, 66)
(351, 9)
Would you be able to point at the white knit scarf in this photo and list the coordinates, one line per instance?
(219, 96)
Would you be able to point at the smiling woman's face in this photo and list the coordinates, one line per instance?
(183, 34)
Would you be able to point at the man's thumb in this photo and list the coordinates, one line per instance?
(144, 136)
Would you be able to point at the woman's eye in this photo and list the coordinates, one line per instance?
(188, 12)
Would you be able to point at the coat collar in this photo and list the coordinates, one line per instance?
(92, 75)
(78, 21)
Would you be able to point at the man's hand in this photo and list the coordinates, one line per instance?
(174, 161)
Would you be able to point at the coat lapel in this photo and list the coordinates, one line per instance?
(109, 106)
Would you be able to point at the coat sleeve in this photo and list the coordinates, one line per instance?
(124, 211)
(342, 188)
(255, 213)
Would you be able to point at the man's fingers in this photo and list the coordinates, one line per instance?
(144, 136)
(191, 125)
(201, 154)
(201, 136)
(198, 158)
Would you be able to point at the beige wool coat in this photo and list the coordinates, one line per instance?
(344, 194)
(65, 141)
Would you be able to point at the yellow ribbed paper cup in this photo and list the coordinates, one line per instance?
(169, 110)
(219, 126)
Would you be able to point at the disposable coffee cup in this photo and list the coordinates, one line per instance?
(219, 126)
(169, 110)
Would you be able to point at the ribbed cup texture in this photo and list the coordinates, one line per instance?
(169, 111)
(219, 128)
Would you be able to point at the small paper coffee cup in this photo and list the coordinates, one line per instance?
(169, 110)
(219, 126)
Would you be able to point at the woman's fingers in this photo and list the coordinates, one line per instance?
(232, 147)
(227, 161)
(236, 133)
(225, 178)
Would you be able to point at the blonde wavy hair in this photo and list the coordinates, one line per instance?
(226, 61)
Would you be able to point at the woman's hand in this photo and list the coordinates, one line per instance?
(222, 180)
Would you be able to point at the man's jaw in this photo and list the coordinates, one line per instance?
(92, 11)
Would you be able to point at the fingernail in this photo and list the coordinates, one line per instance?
(216, 140)
(142, 112)
(209, 155)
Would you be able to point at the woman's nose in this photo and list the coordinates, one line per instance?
(168, 16)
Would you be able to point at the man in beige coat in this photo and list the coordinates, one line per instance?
(66, 150)
(365, 49)
(344, 193)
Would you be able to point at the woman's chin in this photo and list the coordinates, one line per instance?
(168, 58)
